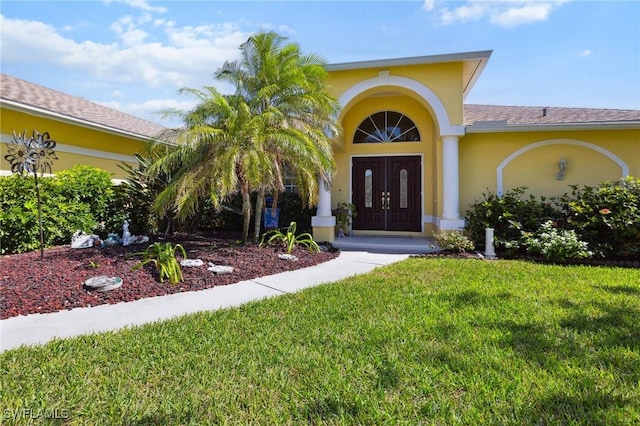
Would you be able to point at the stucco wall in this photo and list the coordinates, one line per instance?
(76, 144)
(531, 159)
(444, 80)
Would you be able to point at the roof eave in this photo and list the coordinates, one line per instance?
(478, 68)
(627, 125)
(40, 112)
(482, 55)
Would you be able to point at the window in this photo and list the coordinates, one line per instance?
(386, 126)
(403, 189)
(368, 188)
(290, 184)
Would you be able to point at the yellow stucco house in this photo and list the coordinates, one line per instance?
(85, 132)
(412, 155)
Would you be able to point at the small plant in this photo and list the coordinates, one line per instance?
(345, 213)
(554, 244)
(163, 257)
(454, 241)
(93, 264)
(289, 239)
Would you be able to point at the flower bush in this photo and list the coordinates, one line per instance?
(555, 244)
(509, 215)
(607, 216)
(454, 241)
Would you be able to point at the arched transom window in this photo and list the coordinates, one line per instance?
(386, 126)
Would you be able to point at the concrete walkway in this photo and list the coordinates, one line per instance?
(41, 328)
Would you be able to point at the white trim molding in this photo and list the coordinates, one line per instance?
(384, 79)
(503, 127)
(610, 155)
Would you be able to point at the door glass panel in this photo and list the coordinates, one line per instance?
(368, 188)
(403, 189)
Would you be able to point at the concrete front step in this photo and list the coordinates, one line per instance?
(378, 244)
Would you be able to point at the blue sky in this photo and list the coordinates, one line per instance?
(133, 55)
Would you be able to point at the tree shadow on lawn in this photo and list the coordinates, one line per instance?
(620, 289)
(595, 343)
(560, 408)
(616, 327)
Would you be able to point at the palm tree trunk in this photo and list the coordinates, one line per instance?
(274, 207)
(257, 215)
(246, 211)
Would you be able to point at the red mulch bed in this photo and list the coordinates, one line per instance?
(29, 286)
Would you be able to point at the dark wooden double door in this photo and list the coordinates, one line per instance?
(387, 193)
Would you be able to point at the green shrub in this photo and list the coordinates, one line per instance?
(607, 216)
(138, 192)
(93, 187)
(229, 218)
(292, 209)
(454, 241)
(19, 231)
(555, 244)
(509, 216)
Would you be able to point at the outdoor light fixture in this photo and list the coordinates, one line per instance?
(562, 169)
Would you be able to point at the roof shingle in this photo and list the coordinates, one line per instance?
(34, 95)
(526, 115)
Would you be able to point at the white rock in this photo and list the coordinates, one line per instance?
(191, 263)
(220, 269)
(286, 256)
(102, 283)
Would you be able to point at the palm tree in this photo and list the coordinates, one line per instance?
(218, 153)
(279, 118)
(288, 90)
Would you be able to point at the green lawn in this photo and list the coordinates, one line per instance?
(423, 341)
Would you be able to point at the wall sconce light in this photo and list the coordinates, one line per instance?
(562, 169)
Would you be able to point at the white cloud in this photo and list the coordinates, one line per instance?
(151, 109)
(126, 29)
(585, 52)
(525, 14)
(471, 12)
(504, 13)
(141, 5)
(428, 5)
(187, 57)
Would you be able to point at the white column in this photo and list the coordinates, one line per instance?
(324, 199)
(450, 185)
(323, 216)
